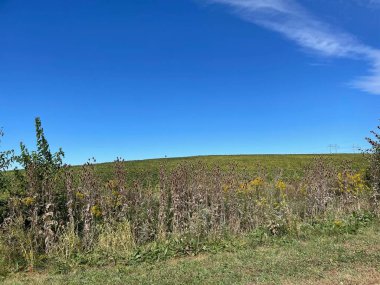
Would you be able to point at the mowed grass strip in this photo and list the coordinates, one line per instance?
(340, 259)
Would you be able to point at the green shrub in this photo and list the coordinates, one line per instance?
(375, 160)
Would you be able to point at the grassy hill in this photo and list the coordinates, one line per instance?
(292, 165)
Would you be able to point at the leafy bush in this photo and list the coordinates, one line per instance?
(375, 160)
(32, 223)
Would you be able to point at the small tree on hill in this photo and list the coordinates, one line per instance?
(38, 186)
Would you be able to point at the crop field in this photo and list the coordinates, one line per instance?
(292, 166)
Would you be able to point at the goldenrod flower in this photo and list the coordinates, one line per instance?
(96, 211)
(351, 183)
(79, 195)
(28, 201)
(281, 185)
(257, 182)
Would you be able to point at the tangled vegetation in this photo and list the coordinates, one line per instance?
(55, 214)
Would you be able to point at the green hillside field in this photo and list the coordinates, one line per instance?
(292, 165)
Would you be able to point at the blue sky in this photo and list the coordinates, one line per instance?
(144, 79)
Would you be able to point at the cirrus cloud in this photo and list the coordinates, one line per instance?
(296, 23)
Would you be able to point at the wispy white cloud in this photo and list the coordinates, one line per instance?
(293, 21)
(370, 83)
(369, 3)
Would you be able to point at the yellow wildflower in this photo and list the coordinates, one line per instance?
(79, 195)
(338, 223)
(28, 201)
(96, 211)
(257, 182)
(351, 183)
(281, 185)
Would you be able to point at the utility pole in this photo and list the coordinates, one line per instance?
(333, 148)
(355, 148)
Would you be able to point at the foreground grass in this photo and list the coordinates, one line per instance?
(337, 259)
